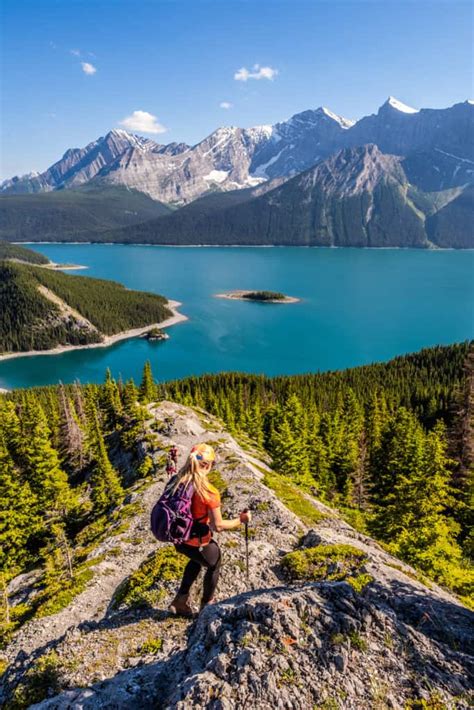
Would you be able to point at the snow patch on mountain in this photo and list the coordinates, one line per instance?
(399, 106)
(343, 122)
(216, 175)
(259, 171)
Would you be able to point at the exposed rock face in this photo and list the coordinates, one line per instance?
(266, 643)
(80, 165)
(230, 158)
(358, 197)
(235, 158)
(398, 130)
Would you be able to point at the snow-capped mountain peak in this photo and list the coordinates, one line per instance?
(343, 122)
(231, 157)
(400, 106)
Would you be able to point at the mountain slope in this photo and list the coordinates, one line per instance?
(80, 165)
(41, 309)
(452, 225)
(229, 158)
(382, 636)
(237, 158)
(400, 130)
(70, 214)
(357, 197)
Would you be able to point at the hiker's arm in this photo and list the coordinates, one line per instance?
(218, 524)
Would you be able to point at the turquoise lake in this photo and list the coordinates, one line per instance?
(357, 306)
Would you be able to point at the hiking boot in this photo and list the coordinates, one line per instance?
(180, 606)
(204, 604)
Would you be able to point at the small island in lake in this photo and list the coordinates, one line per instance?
(155, 334)
(263, 296)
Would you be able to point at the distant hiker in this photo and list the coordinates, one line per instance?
(171, 461)
(200, 547)
(174, 454)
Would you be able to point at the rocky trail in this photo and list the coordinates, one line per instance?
(383, 642)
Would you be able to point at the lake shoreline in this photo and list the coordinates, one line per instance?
(250, 246)
(50, 265)
(108, 339)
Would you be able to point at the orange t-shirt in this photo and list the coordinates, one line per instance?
(200, 508)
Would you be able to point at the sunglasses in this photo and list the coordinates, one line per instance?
(202, 460)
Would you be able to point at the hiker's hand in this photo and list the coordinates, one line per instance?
(245, 516)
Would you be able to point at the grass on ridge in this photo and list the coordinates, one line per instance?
(292, 497)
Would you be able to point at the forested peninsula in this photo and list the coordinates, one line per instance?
(19, 253)
(43, 309)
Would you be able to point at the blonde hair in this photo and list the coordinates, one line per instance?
(191, 473)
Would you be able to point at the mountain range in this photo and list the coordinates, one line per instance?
(400, 177)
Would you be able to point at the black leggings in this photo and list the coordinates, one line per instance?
(210, 558)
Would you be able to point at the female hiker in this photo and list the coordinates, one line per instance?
(201, 548)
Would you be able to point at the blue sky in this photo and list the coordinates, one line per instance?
(73, 69)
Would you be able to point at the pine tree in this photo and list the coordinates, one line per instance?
(253, 423)
(71, 433)
(319, 465)
(106, 489)
(427, 537)
(411, 496)
(78, 400)
(19, 514)
(147, 391)
(290, 455)
(360, 476)
(43, 470)
(400, 457)
(129, 398)
(10, 425)
(58, 560)
(111, 405)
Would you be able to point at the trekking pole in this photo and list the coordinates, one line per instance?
(246, 549)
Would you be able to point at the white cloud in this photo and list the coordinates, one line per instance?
(257, 72)
(88, 68)
(226, 104)
(75, 52)
(144, 122)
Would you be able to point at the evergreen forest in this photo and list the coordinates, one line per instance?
(14, 251)
(30, 320)
(389, 445)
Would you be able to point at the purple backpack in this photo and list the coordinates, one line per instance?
(171, 517)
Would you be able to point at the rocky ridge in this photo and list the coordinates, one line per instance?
(233, 158)
(357, 197)
(268, 642)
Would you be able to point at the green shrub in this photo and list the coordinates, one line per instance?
(41, 681)
(138, 590)
(324, 562)
(357, 641)
(56, 597)
(293, 498)
(151, 646)
(360, 582)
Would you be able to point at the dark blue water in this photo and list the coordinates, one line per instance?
(357, 306)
